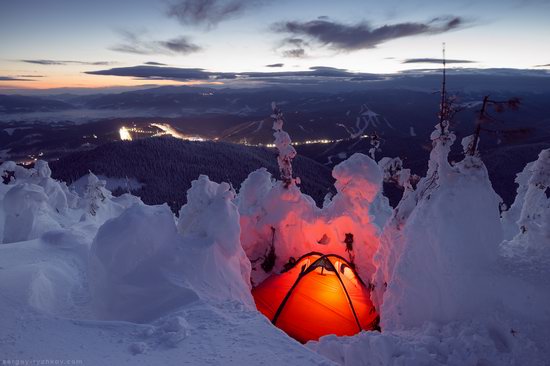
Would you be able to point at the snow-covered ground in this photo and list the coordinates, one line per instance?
(88, 278)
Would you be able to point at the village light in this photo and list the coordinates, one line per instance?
(124, 134)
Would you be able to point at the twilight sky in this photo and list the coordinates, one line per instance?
(102, 43)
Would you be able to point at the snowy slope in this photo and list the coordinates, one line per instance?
(199, 334)
(104, 280)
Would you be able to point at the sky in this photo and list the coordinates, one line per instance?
(105, 43)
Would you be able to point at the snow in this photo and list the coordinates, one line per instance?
(365, 119)
(449, 290)
(133, 284)
(456, 343)
(27, 215)
(97, 279)
(527, 222)
(128, 260)
(289, 221)
(11, 130)
(445, 247)
(284, 148)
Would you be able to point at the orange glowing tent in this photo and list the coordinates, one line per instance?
(319, 295)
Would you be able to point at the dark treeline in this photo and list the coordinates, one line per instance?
(166, 166)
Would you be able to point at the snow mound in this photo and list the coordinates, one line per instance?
(27, 213)
(212, 255)
(143, 265)
(128, 260)
(33, 203)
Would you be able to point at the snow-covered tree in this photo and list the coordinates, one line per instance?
(375, 146)
(95, 194)
(441, 241)
(394, 172)
(283, 144)
(528, 219)
(301, 227)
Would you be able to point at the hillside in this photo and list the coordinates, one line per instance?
(166, 166)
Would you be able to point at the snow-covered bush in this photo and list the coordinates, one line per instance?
(283, 144)
(95, 194)
(98, 205)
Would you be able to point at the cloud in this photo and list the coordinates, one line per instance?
(65, 62)
(351, 37)
(180, 45)
(295, 53)
(152, 63)
(191, 74)
(435, 61)
(164, 73)
(294, 47)
(134, 42)
(275, 65)
(209, 12)
(11, 78)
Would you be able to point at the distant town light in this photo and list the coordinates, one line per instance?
(125, 134)
(169, 130)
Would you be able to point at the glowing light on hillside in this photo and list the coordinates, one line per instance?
(124, 134)
(169, 130)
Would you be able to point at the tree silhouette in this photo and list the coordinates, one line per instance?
(484, 118)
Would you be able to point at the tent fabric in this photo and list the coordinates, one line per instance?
(319, 295)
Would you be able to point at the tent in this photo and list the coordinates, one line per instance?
(320, 294)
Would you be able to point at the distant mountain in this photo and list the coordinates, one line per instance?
(166, 166)
(401, 110)
(26, 104)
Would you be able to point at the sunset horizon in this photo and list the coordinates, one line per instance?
(259, 37)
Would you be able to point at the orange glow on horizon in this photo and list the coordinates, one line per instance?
(92, 82)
